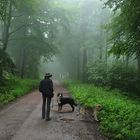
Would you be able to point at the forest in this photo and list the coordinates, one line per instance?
(92, 46)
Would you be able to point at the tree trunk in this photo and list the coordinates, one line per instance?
(78, 73)
(127, 61)
(5, 37)
(106, 54)
(23, 64)
(0, 74)
(100, 56)
(84, 64)
(138, 60)
(7, 24)
(78, 67)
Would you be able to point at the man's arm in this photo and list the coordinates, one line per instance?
(40, 86)
(51, 85)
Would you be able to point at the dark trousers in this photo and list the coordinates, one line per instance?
(46, 112)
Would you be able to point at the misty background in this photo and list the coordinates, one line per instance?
(92, 47)
(85, 40)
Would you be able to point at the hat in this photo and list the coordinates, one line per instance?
(48, 75)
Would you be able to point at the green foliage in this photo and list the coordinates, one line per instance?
(117, 75)
(85, 38)
(3, 9)
(29, 30)
(5, 61)
(14, 88)
(125, 27)
(123, 77)
(97, 73)
(33, 34)
(120, 115)
(6, 65)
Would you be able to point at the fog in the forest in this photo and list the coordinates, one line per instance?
(85, 40)
(90, 46)
(80, 40)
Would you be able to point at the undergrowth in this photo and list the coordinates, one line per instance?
(15, 87)
(120, 115)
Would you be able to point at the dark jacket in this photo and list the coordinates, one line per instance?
(46, 86)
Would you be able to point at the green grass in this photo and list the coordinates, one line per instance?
(120, 115)
(15, 88)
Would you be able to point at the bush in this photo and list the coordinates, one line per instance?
(14, 88)
(116, 75)
(122, 77)
(97, 73)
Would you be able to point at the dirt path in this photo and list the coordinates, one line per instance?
(22, 121)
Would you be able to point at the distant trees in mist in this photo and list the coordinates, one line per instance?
(84, 33)
(27, 33)
(102, 45)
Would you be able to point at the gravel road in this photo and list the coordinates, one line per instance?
(21, 120)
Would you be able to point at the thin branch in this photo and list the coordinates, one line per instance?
(28, 15)
(17, 16)
(23, 26)
(18, 38)
(19, 28)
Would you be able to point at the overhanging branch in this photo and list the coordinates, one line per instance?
(19, 28)
(24, 26)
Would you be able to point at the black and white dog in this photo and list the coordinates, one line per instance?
(65, 100)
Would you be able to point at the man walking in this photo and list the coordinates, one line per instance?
(46, 88)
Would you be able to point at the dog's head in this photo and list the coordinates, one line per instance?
(60, 95)
(98, 107)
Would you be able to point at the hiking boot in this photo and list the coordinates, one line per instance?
(43, 118)
(48, 119)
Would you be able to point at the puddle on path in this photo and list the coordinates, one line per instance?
(67, 119)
